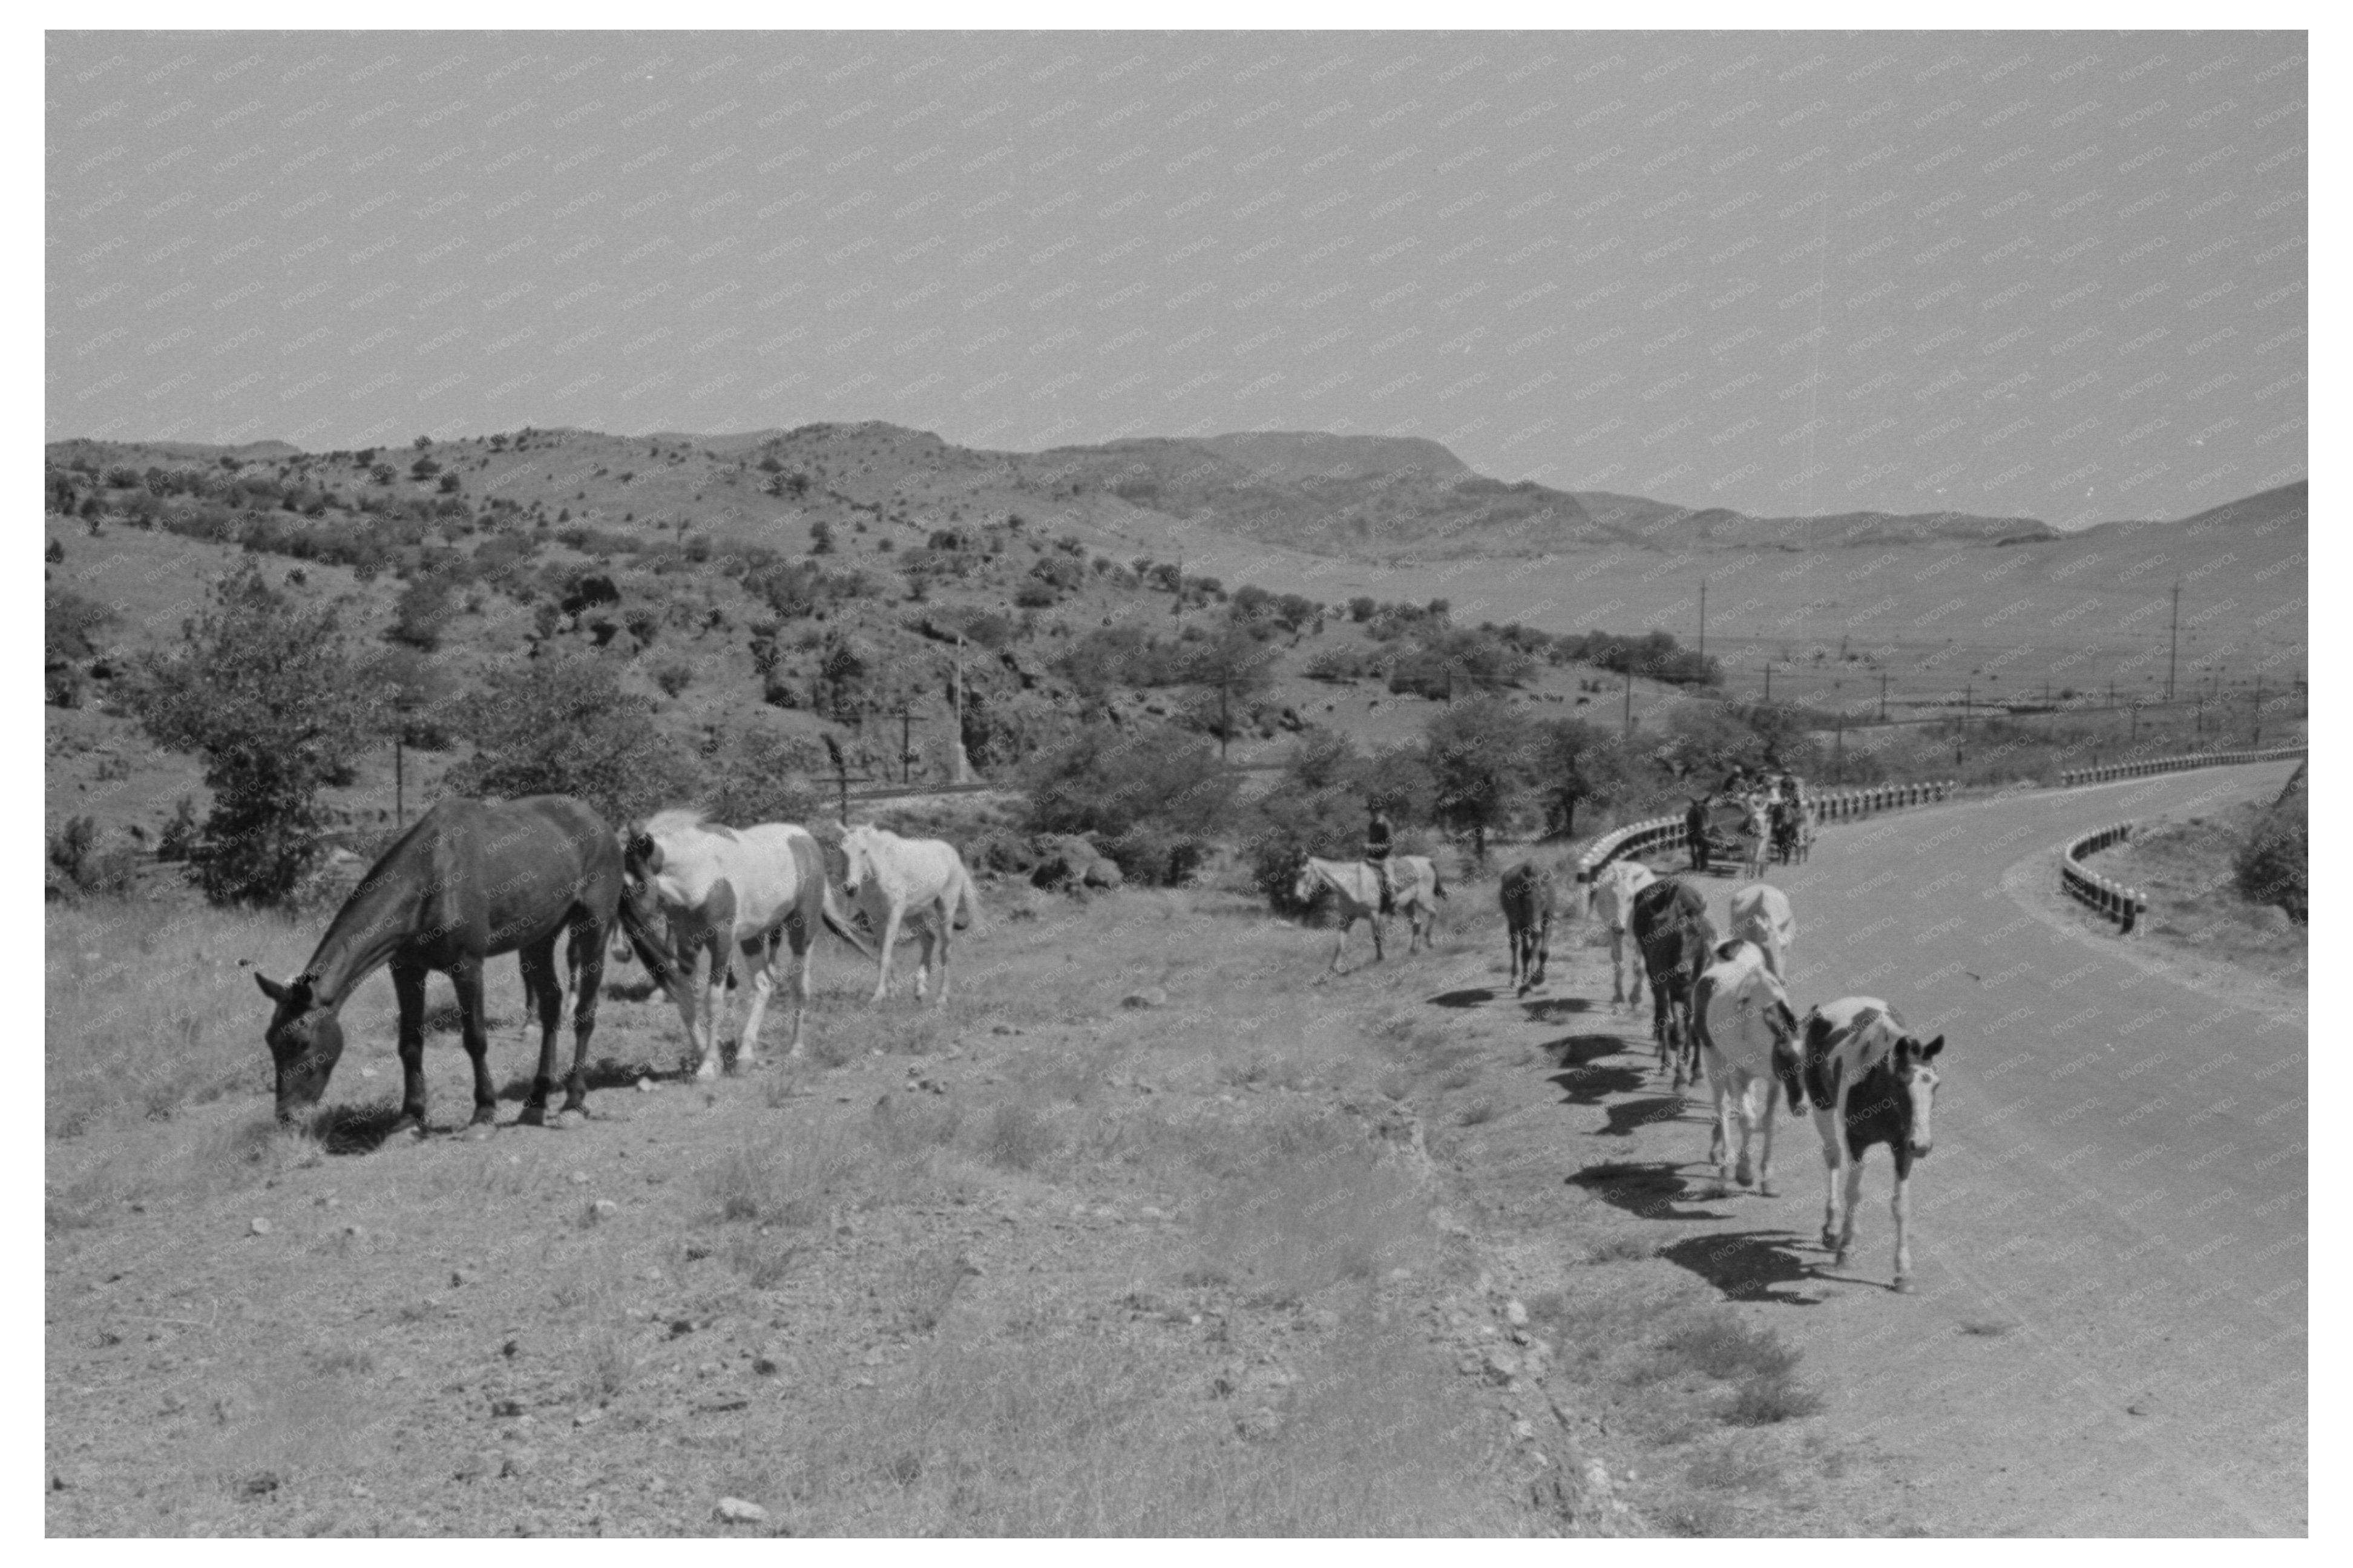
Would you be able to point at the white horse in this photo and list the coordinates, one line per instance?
(1745, 1032)
(1614, 887)
(725, 891)
(1761, 913)
(919, 882)
(1357, 889)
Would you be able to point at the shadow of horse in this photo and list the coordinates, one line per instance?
(1581, 1080)
(1746, 1264)
(1648, 1189)
(1470, 996)
(607, 1073)
(1552, 1009)
(355, 1128)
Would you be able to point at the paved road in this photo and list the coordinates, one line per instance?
(2110, 1236)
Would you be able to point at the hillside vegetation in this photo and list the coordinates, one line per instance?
(753, 604)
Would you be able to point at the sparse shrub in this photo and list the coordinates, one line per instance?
(674, 675)
(86, 864)
(2272, 867)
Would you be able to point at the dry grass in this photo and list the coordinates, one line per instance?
(1050, 1425)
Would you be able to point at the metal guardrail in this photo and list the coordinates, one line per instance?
(2119, 903)
(2174, 764)
(1836, 805)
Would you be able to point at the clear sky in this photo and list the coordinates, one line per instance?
(2049, 275)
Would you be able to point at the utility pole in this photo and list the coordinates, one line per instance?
(1768, 683)
(906, 740)
(1883, 697)
(2175, 651)
(401, 708)
(958, 738)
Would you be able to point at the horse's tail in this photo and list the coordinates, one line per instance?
(830, 912)
(817, 905)
(968, 899)
(1437, 881)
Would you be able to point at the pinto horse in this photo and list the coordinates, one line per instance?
(1526, 895)
(1869, 1082)
(1357, 889)
(723, 891)
(471, 880)
(897, 881)
(1678, 940)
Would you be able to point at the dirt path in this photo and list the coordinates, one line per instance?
(2109, 1239)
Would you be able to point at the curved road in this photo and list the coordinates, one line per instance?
(2109, 1237)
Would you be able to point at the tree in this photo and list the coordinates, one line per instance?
(1155, 796)
(1574, 762)
(1478, 754)
(271, 696)
(559, 723)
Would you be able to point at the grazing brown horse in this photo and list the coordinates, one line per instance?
(471, 880)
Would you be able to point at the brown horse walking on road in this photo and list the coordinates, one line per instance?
(1526, 896)
(471, 880)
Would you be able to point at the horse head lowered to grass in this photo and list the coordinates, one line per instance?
(471, 880)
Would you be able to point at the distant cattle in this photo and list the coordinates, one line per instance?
(1677, 940)
(1614, 887)
(1868, 1079)
(1761, 913)
(1526, 895)
(1745, 1030)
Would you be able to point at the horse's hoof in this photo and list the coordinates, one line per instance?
(411, 1126)
(485, 1116)
(1767, 1189)
(532, 1116)
(1745, 1176)
(1830, 1241)
(707, 1072)
(1839, 1260)
(479, 1133)
(569, 1118)
(1904, 1285)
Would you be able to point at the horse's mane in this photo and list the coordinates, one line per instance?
(685, 819)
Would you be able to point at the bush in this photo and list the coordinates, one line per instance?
(2272, 865)
(272, 696)
(88, 870)
(1154, 796)
(767, 777)
(560, 724)
(70, 624)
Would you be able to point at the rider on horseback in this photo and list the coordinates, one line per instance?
(1376, 855)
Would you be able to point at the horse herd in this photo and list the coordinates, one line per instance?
(1723, 1006)
(473, 880)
